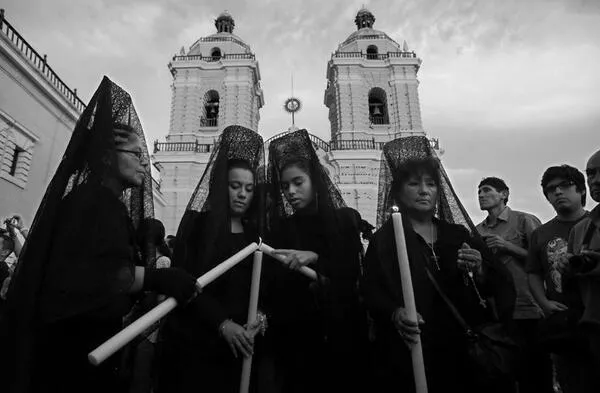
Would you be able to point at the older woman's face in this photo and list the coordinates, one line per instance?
(419, 193)
(130, 164)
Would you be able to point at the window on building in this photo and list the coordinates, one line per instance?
(215, 53)
(378, 113)
(211, 109)
(17, 154)
(16, 151)
(372, 52)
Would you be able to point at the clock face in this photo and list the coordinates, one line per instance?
(292, 104)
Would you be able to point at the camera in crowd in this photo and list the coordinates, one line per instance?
(582, 263)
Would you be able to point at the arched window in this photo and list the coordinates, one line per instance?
(215, 53)
(372, 52)
(211, 109)
(378, 113)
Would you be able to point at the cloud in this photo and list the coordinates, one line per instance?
(509, 87)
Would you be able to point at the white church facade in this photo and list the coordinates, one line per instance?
(372, 96)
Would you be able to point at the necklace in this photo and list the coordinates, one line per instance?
(431, 246)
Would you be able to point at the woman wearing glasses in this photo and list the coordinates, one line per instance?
(81, 266)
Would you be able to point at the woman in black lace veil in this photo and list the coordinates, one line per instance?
(204, 344)
(441, 238)
(80, 265)
(318, 327)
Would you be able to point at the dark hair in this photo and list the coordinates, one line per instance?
(302, 164)
(239, 163)
(415, 167)
(153, 231)
(497, 183)
(568, 173)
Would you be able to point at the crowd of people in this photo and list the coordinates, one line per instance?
(95, 259)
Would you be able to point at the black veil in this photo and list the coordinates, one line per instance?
(211, 198)
(82, 167)
(290, 148)
(340, 223)
(399, 151)
(449, 208)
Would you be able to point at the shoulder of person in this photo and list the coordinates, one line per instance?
(546, 226)
(90, 206)
(348, 216)
(386, 229)
(481, 224)
(450, 228)
(197, 220)
(581, 226)
(526, 216)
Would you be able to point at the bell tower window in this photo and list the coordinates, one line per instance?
(211, 109)
(378, 113)
(215, 53)
(372, 52)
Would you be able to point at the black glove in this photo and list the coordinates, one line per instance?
(173, 281)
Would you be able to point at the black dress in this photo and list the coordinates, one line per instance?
(84, 295)
(318, 328)
(192, 352)
(447, 365)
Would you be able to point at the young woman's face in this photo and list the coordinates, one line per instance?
(419, 193)
(130, 164)
(297, 187)
(241, 190)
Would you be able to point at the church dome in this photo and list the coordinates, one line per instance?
(223, 41)
(364, 19)
(224, 23)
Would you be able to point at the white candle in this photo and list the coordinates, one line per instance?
(122, 338)
(409, 302)
(308, 272)
(252, 311)
(218, 270)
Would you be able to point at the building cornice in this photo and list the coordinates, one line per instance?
(37, 77)
(18, 126)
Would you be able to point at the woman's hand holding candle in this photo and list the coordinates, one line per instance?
(239, 339)
(296, 259)
(408, 330)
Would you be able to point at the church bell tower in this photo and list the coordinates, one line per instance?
(216, 83)
(372, 96)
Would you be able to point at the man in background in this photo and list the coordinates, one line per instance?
(507, 233)
(564, 188)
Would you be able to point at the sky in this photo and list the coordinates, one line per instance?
(509, 87)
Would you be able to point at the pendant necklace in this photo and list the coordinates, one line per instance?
(431, 247)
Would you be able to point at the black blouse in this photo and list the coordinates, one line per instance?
(382, 286)
(92, 259)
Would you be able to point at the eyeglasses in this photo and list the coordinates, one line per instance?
(136, 153)
(563, 185)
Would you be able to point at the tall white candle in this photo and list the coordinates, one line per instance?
(409, 302)
(122, 338)
(252, 311)
(308, 272)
